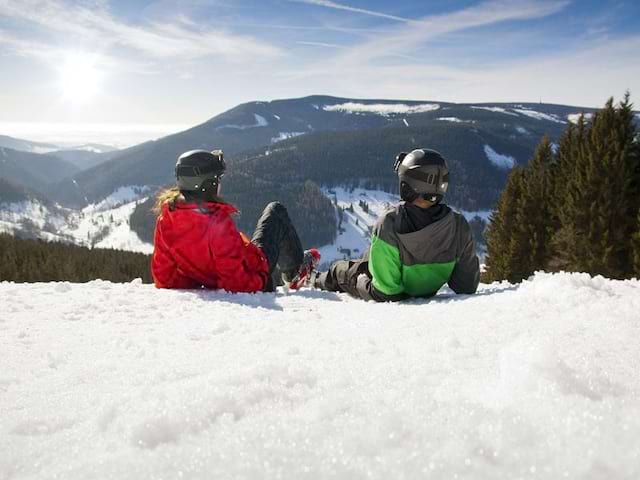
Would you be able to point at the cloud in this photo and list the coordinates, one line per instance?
(181, 38)
(340, 6)
(416, 33)
(321, 44)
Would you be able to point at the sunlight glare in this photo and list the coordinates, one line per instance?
(79, 77)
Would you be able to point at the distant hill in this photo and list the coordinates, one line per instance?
(261, 124)
(26, 145)
(32, 170)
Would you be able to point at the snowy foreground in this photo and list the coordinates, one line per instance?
(109, 380)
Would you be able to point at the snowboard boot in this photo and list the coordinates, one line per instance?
(310, 261)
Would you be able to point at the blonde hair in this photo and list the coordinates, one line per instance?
(169, 195)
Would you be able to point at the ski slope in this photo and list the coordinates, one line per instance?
(104, 380)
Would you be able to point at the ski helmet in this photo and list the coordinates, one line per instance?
(422, 173)
(199, 171)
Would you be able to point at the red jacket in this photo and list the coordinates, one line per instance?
(199, 245)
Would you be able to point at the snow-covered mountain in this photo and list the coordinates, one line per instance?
(104, 225)
(537, 380)
(514, 128)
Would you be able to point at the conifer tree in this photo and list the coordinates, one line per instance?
(537, 225)
(595, 216)
(506, 246)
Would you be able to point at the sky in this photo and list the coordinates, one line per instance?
(182, 62)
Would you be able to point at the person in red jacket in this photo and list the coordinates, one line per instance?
(197, 244)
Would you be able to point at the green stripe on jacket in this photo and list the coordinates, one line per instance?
(391, 277)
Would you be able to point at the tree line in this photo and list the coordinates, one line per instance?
(575, 206)
(25, 260)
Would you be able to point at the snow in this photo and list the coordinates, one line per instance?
(260, 121)
(454, 120)
(575, 117)
(539, 115)
(384, 109)
(103, 380)
(285, 136)
(103, 225)
(277, 117)
(354, 240)
(500, 161)
(522, 130)
(118, 197)
(496, 110)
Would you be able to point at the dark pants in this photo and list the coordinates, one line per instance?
(278, 239)
(343, 275)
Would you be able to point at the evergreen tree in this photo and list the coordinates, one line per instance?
(596, 214)
(537, 225)
(507, 255)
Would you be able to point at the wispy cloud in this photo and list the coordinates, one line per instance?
(415, 34)
(321, 44)
(341, 6)
(97, 26)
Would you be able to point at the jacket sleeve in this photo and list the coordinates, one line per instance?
(241, 267)
(385, 266)
(466, 274)
(164, 268)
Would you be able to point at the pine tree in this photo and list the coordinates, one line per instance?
(507, 254)
(595, 216)
(537, 224)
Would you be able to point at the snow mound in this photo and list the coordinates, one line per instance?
(538, 379)
(500, 161)
(384, 109)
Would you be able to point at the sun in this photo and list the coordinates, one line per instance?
(80, 77)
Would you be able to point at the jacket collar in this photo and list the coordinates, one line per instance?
(207, 207)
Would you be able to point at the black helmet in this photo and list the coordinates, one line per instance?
(422, 173)
(199, 171)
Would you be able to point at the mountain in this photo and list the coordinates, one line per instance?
(32, 170)
(26, 145)
(85, 158)
(260, 124)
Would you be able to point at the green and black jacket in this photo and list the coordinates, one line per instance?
(417, 264)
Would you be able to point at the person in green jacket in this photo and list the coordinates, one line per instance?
(416, 247)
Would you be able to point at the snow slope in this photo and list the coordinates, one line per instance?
(105, 224)
(384, 109)
(104, 380)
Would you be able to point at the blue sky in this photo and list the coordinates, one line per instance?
(181, 62)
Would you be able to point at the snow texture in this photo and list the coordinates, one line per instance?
(539, 115)
(500, 161)
(103, 380)
(384, 109)
(496, 110)
(285, 136)
(260, 121)
(522, 130)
